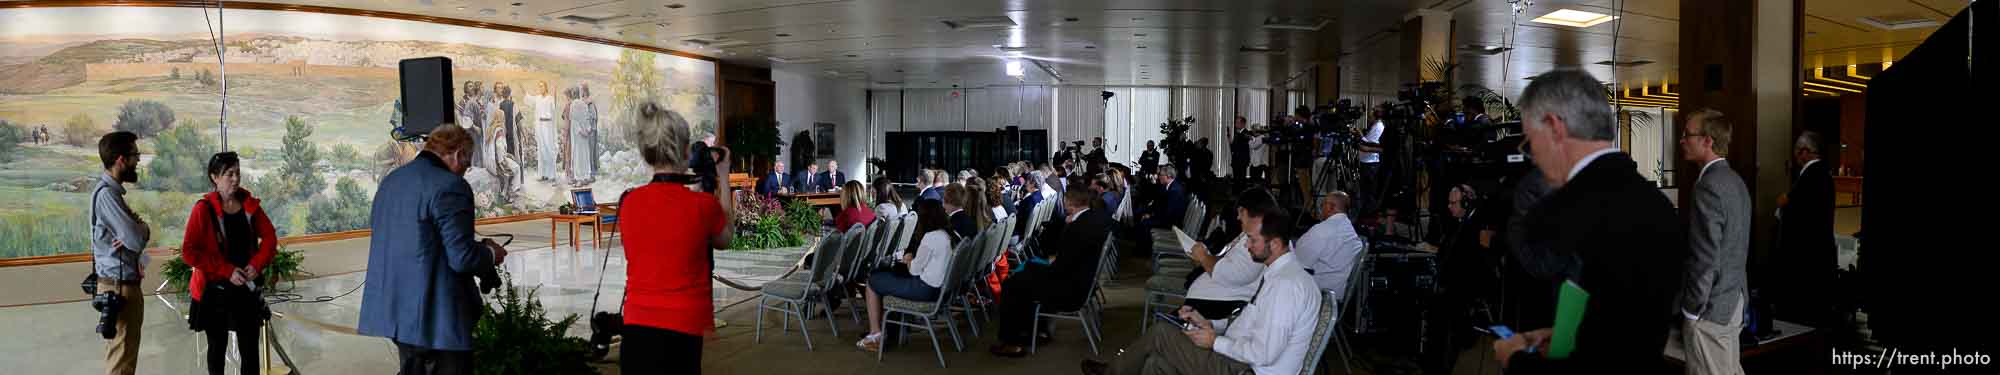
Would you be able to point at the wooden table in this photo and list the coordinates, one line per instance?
(818, 199)
(574, 222)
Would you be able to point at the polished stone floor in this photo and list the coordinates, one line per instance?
(54, 336)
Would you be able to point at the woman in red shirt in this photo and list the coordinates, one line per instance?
(229, 241)
(853, 208)
(668, 301)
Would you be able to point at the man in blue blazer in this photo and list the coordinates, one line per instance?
(422, 257)
(775, 183)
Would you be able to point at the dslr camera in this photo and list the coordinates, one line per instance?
(107, 305)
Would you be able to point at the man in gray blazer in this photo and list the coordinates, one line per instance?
(422, 257)
(1713, 294)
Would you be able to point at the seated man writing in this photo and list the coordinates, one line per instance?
(1228, 280)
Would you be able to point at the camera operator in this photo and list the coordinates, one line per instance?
(117, 245)
(669, 297)
(1301, 149)
(422, 258)
(1371, 161)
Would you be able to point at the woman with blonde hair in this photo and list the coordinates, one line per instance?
(853, 207)
(669, 298)
(975, 201)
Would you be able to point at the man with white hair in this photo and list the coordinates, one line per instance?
(1610, 217)
(1805, 237)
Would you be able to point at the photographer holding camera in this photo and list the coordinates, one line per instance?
(668, 300)
(117, 248)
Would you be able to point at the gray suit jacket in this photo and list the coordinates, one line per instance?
(1719, 242)
(421, 259)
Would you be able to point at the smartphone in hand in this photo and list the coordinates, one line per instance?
(1183, 324)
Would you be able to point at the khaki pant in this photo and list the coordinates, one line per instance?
(1712, 348)
(121, 353)
(1164, 350)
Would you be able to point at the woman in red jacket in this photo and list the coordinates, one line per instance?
(228, 242)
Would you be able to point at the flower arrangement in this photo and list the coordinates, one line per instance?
(765, 222)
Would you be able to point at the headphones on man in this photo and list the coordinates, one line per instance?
(1467, 196)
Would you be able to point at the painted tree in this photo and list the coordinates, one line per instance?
(144, 117)
(634, 81)
(300, 172)
(180, 161)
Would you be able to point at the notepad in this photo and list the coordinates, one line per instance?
(1187, 243)
(1570, 303)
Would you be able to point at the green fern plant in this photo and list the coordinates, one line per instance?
(515, 336)
(285, 266)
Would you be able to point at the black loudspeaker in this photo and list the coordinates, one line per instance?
(426, 93)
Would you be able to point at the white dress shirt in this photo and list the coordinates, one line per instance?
(933, 255)
(1234, 277)
(999, 213)
(888, 210)
(1585, 162)
(1328, 249)
(1275, 330)
(1374, 136)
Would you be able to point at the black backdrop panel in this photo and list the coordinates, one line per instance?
(955, 151)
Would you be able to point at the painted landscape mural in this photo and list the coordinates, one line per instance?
(312, 102)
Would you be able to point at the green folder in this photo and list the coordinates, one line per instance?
(1570, 303)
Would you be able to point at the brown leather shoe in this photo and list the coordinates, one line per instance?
(1009, 351)
(1093, 367)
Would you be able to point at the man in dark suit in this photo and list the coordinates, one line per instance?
(1619, 224)
(1064, 283)
(1096, 155)
(832, 177)
(1806, 251)
(1149, 160)
(1712, 298)
(807, 181)
(1031, 196)
(775, 183)
(1239, 149)
(422, 257)
(1172, 205)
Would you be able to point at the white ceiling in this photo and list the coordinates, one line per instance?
(904, 43)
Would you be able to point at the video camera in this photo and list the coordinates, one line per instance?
(702, 165)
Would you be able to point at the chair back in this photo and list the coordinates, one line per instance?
(825, 257)
(853, 263)
(962, 259)
(1327, 319)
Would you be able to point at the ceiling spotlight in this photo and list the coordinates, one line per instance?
(461, 8)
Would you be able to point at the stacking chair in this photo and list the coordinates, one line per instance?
(854, 265)
(797, 295)
(1329, 322)
(1166, 245)
(1357, 279)
(923, 314)
(1085, 313)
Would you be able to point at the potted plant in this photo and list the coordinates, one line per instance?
(284, 267)
(753, 141)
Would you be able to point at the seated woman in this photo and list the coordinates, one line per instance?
(887, 203)
(853, 208)
(996, 202)
(927, 260)
(229, 241)
(975, 201)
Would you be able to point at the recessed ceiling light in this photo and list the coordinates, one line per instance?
(675, 6)
(461, 8)
(489, 12)
(853, 55)
(783, 35)
(1574, 18)
(1137, 19)
(1144, 65)
(1142, 47)
(1069, 19)
(830, 31)
(1089, 47)
(516, 4)
(1139, 35)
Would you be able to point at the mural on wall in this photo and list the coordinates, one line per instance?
(312, 100)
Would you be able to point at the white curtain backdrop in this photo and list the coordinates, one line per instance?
(1214, 110)
(933, 110)
(1080, 115)
(1151, 106)
(1254, 104)
(885, 114)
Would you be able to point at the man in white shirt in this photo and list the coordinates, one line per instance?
(1371, 161)
(1329, 248)
(1228, 280)
(1270, 337)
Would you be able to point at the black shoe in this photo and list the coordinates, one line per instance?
(1093, 367)
(1009, 351)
